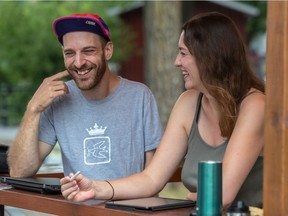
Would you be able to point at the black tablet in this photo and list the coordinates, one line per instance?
(150, 204)
(40, 184)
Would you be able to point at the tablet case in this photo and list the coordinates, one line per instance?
(150, 204)
(40, 184)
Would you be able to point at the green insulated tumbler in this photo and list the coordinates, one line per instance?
(209, 195)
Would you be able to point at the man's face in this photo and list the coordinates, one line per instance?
(84, 58)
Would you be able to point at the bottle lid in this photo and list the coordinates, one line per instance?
(238, 207)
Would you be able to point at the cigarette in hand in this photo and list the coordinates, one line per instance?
(75, 175)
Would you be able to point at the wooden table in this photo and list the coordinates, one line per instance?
(56, 204)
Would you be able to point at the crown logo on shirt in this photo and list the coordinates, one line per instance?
(96, 130)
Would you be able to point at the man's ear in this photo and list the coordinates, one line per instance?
(108, 50)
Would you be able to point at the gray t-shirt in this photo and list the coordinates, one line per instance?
(251, 190)
(104, 139)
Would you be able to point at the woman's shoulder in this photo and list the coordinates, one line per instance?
(254, 98)
(189, 96)
(254, 102)
(187, 101)
(184, 109)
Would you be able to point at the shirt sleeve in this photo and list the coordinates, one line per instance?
(152, 125)
(46, 130)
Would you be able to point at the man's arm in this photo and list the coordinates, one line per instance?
(27, 153)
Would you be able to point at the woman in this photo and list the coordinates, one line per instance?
(219, 117)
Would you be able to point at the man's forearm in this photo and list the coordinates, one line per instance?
(23, 155)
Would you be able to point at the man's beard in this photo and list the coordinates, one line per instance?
(93, 81)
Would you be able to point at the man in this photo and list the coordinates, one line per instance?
(107, 127)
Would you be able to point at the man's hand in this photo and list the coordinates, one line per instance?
(51, 88)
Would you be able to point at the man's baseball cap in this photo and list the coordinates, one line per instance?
(80, 22)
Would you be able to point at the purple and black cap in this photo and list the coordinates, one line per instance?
(81, 22)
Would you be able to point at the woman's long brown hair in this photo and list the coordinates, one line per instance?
(223, 63)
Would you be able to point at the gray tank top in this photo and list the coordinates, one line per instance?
(198, 150)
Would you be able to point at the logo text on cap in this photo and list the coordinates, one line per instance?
(90, 23)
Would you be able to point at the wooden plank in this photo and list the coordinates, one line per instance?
(276, 126)
(56, 204)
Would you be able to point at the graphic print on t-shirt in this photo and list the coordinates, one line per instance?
(97, 148)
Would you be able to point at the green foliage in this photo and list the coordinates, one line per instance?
(30, 51)
(257, 24)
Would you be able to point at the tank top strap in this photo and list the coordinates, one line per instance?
(198, 107)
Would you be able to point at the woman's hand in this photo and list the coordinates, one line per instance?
(192, 196)
(78, 190)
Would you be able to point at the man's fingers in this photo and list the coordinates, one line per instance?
(60, 75)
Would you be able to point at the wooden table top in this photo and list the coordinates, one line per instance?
(56, 204)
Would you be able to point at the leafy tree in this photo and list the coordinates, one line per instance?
(30, 51)
(257, 24)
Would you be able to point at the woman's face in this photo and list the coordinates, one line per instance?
(187, 63)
